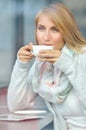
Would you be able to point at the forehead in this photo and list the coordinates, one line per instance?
(45, 20)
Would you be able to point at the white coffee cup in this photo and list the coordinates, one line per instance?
(37, 48)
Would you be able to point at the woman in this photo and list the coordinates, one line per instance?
(60, 78)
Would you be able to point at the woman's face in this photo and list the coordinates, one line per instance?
(47, 33)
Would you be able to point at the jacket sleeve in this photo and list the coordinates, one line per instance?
(20, 94)
(74, 68)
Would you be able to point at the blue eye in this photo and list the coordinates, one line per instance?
(55, 29)
(41, 28)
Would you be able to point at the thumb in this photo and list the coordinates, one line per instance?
(30, 45)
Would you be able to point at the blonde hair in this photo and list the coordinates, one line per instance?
(66, 24)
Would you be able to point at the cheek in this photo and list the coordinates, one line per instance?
(38, 36)
(58, 37)
(59, 42)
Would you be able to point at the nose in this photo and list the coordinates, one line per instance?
(47, 35)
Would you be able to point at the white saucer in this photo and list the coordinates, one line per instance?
(30, 112)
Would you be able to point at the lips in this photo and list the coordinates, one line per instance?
(47, 44)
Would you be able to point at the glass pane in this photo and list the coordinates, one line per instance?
(6, 40)
(30, 10)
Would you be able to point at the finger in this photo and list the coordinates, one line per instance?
(49, 54)
(28, 46)
(46, 59)
(25, 53)
(45, 55)
(26, 56)
(24, 60)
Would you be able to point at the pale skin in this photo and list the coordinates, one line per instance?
(47, 34)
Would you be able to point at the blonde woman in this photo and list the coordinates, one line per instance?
(58, 75)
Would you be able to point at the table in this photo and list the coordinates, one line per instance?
(31, 124)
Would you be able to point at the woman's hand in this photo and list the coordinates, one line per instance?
(49, 55)
(24, 53)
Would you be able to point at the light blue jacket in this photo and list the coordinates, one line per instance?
(73, 68)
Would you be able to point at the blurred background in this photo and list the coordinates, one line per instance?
(17, 28)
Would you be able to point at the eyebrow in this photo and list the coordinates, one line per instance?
(40, 24)
(44, 25)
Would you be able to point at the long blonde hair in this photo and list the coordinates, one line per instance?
(66, 24)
